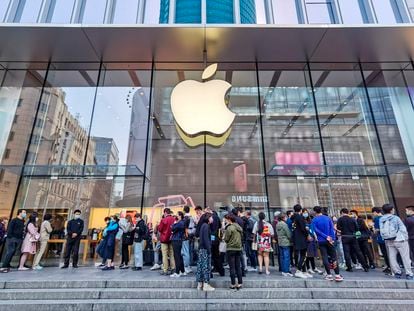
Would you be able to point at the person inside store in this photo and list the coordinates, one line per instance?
(29, 245)
(14, 240)
(74, 231)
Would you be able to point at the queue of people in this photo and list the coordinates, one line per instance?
(295, 239)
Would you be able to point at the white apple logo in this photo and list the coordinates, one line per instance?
(199, 108)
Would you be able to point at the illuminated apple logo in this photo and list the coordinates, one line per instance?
(200, 110)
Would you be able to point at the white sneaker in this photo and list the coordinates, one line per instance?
(358, 267)
(287, 274)
(174, 275)
(208, 288)
(318, 271)
(300, 274)
(250, 269)
(188, 270)
(308, 275)
(311, 271)
(183, 273)
(200, 286)
(155, 267)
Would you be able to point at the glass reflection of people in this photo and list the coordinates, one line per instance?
(74, 231)
(45, 231)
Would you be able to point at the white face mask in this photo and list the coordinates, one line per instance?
(77, 216)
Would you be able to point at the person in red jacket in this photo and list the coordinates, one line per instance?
(164, 228)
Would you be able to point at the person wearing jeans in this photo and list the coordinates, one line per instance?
(140, 233)
(233, 238)
(325, 233)
(284, 236)
(395, 234)
(377, 213)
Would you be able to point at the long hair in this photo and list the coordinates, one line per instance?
(32, 220)
(262, 217)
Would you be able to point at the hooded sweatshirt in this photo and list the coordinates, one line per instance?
(395, 222)
(233, 237)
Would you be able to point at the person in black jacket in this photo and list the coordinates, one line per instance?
(248, 240)
(74, 231)
(215, 243)
(348, 228)
(204, 253)
(140, 233)
(15, 235)
(363, 243)
(299, 239)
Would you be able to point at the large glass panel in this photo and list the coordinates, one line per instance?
(353, 11)
(290, 134)
(126, 12)
(156, 12)
(247, 12)
(410, 4)
(19, 97)
(28, 11)
(320, 12)
(220, 11)
(387, 12)
(285, 12)
(188, 11)
(60, 11)
(94, 12)
(175, 172)
(4, 5)
(235, 173)
(61, 130)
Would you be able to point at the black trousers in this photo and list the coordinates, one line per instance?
(125, 254)
(366, 250)
(216, 258)
(329, 257)
(293, 257)
(301, 259)
(233, 257)
(384, 252)
(72, 247)
(179, 262)
(350, 245)
(411, 243)
(310, 263)
(13, 245)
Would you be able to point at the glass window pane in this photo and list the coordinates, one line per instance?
(28, 11)
(352, 11)
(126, 12)
(386, 11)
(60, 11)
(3, 9)
(285, 12)
(156, 12)
(247, 12)
(188, 11)
(220, 12)
(320, 13)
(94, 12)
(410, 4)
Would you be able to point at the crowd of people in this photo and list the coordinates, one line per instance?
(294, 239)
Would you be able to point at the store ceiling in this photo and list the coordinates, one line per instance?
(167, 43)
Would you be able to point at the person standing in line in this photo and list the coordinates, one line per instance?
(299, 238)
(45, 231)
(249, 237)
(312, 250)
(188, 237)
(233, 238)
(74, 231)
(15, 235)
(29, 244)
(127, 227)
(156, 245)
(204, 254)
(178, 232)
(109, 235)
(194, 245)
(140, 233)
(3, 230)
(338, 245)
(284, 236)
(293, 254)
(409, 223)
(377, 214)
(395, 234)
(348, 228)
(166, 246)
(363, 242)
(325, 233)
(263, 232)
(215, 242)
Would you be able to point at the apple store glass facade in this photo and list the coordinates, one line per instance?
(102, 138)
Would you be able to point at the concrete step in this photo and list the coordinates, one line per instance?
(189, 282)
(204, 304)
(220, 293)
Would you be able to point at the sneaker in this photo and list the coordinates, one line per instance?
(339, 278)
(155, 267)
(136, 268)
(372, 267)
(409, 277)
(37, 268)
(239, 287)
(175, 275)
(208, 288)
(329, 277)
(358, 267)
(5, 270)
(318, 271)
(100, 265)
(22, 269)
(188, 270)
(163, 272)
(398, 275)
(267, 272)
(183, 273)
(123, 267)
(308, 275)
(311, 271)
(287, 274)
(300, 274)
(106, 268)
(349, 270)
(64, 267)
(250, 269)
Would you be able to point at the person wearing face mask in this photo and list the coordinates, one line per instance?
(31, 238)
(74, 231)
(409, 223)
(15, 235)
(109, 235)
(204, 254)
(45, 231)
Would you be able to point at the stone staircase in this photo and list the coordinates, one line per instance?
(181, 294)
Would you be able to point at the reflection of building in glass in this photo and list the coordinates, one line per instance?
(106, 151)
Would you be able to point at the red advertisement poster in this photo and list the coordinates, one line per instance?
(240, 178)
